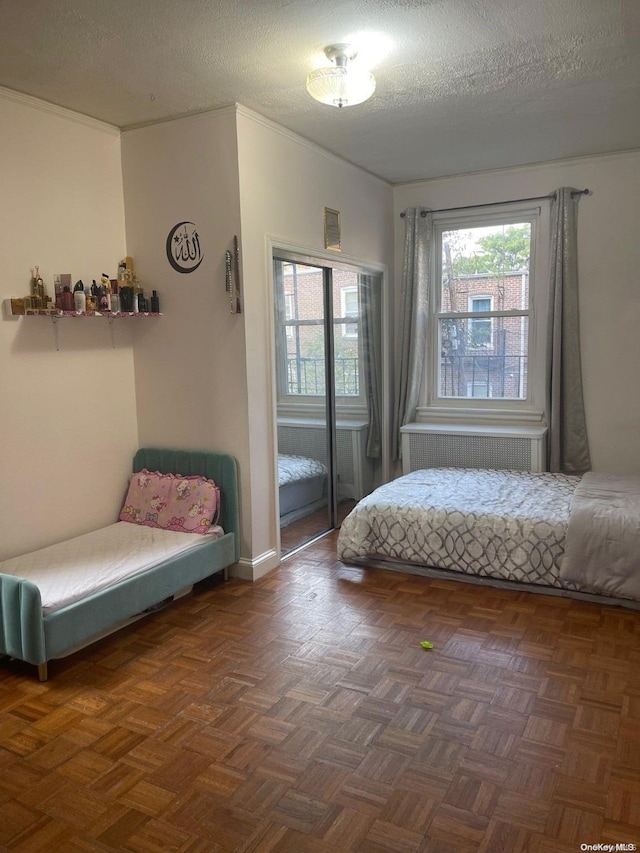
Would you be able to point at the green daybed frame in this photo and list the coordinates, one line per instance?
(31, 636)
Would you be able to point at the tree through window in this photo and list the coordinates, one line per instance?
(483, 315)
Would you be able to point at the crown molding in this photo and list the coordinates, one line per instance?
(538, 165)
(60, 112)
(292, 136)
(199, 115)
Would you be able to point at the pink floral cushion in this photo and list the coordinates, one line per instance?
(172, 502)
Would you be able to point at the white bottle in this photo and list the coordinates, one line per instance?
(79, 300)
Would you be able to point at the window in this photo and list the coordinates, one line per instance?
(349, 304)
(486, 349)
(477, 388)
(480, 331)
(301, 336)
(288, 313)
(303, 349)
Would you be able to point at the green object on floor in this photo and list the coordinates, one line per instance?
(426, 644)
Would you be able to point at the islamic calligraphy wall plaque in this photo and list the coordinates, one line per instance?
(183, 247)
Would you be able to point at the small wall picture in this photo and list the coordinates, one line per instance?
(332, 238)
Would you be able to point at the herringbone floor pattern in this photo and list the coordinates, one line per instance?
(300, 713)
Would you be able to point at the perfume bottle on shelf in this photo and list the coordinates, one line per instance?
(37, 290)
(67, 298)
(79, 297)
(115, 296)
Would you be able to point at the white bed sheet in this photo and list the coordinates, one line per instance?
(69, 570)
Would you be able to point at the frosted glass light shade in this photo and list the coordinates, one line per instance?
(341, 86)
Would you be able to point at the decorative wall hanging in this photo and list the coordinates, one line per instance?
(232, 277)
(183, 247)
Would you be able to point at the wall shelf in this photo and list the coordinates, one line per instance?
(55, 315)
(110, 315)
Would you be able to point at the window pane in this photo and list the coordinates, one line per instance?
(480, 330)
(305, 361)
(346, 338)
(304, 338)
(480, 333)
(303, 331)
(488, 360)
(349, 309)
(489, 262)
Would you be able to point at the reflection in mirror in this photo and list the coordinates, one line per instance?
(304, 458)
(326, 466)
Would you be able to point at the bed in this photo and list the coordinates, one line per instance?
(577, 535)
(61, 598)
(301, 487)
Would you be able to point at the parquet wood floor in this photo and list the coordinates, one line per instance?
(299, 713)
(315, 524)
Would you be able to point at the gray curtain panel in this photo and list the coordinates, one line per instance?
(372, 357)
(412, 337)
(568, 446)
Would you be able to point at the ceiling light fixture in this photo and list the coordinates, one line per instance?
(341, 84)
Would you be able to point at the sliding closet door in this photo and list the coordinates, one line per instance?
(329, 360)
(304, 346)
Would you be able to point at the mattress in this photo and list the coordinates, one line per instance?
(70, 570)
(301, 486)
(510, 525)
(294, 469)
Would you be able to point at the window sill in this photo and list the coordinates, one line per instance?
(475, 416)
(535, 431)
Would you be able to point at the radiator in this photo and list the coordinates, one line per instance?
(301, 437)
(453, 446)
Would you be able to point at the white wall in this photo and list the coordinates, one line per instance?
(190, 363)
(203, 376)
(200, 377)
(285, 184)
(609, 269)
(68, 417)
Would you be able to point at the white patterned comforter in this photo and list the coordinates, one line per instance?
(293, 469)
(503, 524)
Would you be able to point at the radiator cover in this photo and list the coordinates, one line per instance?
(453, 446)
(306, 437)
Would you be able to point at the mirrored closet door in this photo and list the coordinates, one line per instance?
(328, 377)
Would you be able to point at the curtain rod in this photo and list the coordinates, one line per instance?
(497, 203)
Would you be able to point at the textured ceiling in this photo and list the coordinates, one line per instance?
(464, 85)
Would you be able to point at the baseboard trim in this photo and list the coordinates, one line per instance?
(252, 570)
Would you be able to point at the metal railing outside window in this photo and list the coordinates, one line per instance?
(306, 376)
(503, 375)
